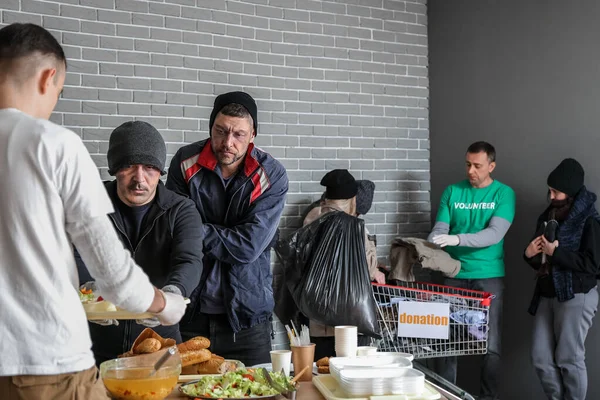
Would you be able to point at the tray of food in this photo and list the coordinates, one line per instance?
(96, 308)
(240, 384)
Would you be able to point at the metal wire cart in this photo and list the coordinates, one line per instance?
(466, 324)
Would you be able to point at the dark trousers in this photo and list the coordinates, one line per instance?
(325, 345)
(251, 346)
(490, 372)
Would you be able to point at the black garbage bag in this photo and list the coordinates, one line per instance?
(326, 274)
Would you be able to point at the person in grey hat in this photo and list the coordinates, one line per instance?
(162, 230)
(565, 254)
(240, 192)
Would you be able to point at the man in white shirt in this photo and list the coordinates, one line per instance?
(51, 196)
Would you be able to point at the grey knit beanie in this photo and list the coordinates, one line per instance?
(136, 142)
(364, 196)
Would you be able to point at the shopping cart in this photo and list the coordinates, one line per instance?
(467, 324)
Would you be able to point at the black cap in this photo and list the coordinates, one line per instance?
(567, 177)
(340, 184)
(241, 98)
(136, 142)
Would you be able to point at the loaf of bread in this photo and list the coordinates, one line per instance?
(216, 365)
(194, 356)
(195, 343)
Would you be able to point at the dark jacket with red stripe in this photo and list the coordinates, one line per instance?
(239, 223)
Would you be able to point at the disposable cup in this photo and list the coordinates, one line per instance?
(281, 360)
(301, 357)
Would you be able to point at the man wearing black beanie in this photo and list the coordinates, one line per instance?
(240, 192)
(161, 229)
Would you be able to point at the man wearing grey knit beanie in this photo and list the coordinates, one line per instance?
(161, 229)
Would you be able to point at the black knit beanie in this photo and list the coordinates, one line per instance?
(136, 142)
(240, 98)
(340, 184)
(364, 196)
(567, 177)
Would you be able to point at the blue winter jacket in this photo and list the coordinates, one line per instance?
(239, 226)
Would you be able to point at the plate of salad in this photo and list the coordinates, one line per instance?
(93, 302)
(96, 308)
(241, 384)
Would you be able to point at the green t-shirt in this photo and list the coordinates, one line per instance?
(468, 210)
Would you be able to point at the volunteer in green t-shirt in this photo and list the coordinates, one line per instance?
(473, 217)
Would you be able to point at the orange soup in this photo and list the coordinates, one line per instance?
(134, 384)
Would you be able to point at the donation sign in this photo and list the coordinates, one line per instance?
(423, 320)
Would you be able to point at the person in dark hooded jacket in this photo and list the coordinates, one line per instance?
(566, 256)
(161, 229)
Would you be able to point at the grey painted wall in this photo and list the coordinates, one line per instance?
(523, 76)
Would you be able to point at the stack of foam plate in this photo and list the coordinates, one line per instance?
(378, 361)
(382, 381)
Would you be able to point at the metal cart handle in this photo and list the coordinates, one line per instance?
(443, 383)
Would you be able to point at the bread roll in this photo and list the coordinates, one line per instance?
(149, 345)
(323, 362)
(195, 343)
(323, 370)
(194, 356)
(149, 333)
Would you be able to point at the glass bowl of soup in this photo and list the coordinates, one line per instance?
(131, 378)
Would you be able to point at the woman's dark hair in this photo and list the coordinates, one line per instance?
(485, 147)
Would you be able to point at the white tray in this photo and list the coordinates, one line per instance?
(97, 311)
(331, 390)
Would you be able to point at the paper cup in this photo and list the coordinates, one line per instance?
(346, 341)
(301, 357)
(281, 360)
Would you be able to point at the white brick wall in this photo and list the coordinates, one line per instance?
(339, 84)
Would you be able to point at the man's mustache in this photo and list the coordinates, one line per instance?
(135, 186)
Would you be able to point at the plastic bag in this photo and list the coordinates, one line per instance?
(326, 274)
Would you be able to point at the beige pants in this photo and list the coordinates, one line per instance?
(82, 385)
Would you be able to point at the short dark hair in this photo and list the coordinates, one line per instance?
(235, 110)
(23, 40)
(484, 147)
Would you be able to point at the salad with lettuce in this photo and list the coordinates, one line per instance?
(86, 295)
(237, 384)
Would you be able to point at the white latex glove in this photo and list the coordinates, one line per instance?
(446, 240)
(102, 322)
(174, 309)
(154, 322)
(105, 322)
